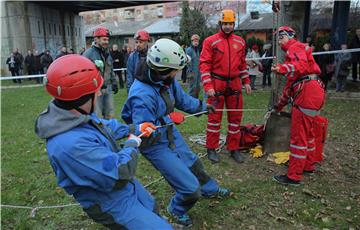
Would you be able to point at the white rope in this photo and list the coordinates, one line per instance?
(241, 110)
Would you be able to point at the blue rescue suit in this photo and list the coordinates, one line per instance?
(151, 100)
(90, 166)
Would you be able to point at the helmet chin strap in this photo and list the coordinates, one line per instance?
(80, 110)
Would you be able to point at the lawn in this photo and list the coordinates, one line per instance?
(330, 199)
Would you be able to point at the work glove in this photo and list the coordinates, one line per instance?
(281, 157)
(133, 141)
(115, 88)
(257, 152)
(177, 117)
(147, 128)
(210, 108)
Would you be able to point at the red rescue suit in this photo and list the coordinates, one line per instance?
(223, 68)
(307, 94)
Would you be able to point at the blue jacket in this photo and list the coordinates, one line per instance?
(130, 68)
(87, 165)
(193, 66)
(145, 103)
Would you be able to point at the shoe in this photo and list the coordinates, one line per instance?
(213, 156)
(308, 172)
(221, 193)
(283, 179)
(236, 155)
(183, 220)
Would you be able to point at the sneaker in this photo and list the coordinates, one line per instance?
(213, 156)
(236, 155)
(283, 179)
(183, 220)
(221, 193)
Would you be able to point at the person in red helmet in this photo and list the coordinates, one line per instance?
(223, 72)
(84, 154)
(99, 54)
(306, 93)
(142, 39)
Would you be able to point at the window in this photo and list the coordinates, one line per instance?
(54, 29)
(79, 32)
(39, 28)
(75, 31)
(49, 29)
(59, 29)
(68, 29)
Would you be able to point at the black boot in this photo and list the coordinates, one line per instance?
(213, 156)
(236, 155)
(283, 179)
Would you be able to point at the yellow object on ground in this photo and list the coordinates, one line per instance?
(257, 151)
(281, 157)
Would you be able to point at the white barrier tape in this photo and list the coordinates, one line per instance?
(247, 59)
(240, 110)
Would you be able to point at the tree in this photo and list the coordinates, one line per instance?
(192, 22)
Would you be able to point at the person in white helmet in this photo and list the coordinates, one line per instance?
(153, 97)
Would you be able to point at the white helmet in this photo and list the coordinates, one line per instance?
(166, 53)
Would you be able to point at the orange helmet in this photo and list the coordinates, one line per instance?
(227, 16)
(101, 32)
(71, 77)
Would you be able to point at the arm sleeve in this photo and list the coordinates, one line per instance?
(130, 69)
(185, 102)
(189, 66)
(93, 165)
(244, 74)
(205, 63)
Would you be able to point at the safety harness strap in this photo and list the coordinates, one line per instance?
(103, 130)
(169, 109)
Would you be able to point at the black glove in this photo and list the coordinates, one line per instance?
(210, 108)
(115, 88)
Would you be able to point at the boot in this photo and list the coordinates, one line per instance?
(213, 156)
(283, 179)
(221, 193)
(236, 155)
(183, 220)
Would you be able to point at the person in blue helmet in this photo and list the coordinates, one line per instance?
(84, 154)
(152, 98)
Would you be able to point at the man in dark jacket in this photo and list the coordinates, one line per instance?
(99, 54)
(37, 67)
(327, 65)
(118, 62)
(20, 57)
(14, 63)
(63, 52)
(46, 60)
(355, 43)
(30, 63)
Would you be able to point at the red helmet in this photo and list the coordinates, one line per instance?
(71, 77)
(287, 30)
(101, 32)
(142, 35)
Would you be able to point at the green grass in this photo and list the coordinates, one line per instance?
(258, 202)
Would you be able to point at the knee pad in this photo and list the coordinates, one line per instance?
(198, 170)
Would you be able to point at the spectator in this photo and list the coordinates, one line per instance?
(253, 65)
(99, 54)
(62, 52)
(327, 65)
(309, 41)
(46, 60)
(20, 57)
(183, 72)
(343, 62)
(82, 50)
(37, 67)
(193, 72)
(355, 43)
(14, 66)
(138, 57)
(266, 65)
(30, 63)
(118, 62)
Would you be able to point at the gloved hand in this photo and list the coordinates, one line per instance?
(115, 88)
(177, 117)
(133, 141)
(256, 152)
(147, 128)
(210, 108)
(281, 157)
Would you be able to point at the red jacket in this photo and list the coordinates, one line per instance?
(223, 55)
(299, 62)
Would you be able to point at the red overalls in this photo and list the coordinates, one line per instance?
(223, 68)
(307, 94)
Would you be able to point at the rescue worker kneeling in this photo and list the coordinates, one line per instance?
(83, 152)
(152, 97)
(306, 92)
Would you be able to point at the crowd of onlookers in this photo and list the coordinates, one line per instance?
(336, 66)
